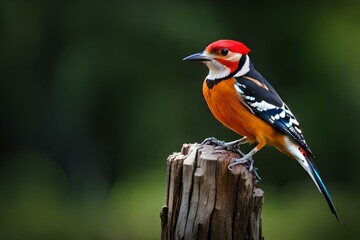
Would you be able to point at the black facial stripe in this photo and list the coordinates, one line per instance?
(212, 83)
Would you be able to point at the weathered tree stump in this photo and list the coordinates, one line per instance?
(207, 201)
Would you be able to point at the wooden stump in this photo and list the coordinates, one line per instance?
(207, 201)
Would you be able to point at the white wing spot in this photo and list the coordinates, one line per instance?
(250, 98)
(262, 106)
(238, 89)
(282, 114)
(241, 85)
(297, 129)
(293, 121)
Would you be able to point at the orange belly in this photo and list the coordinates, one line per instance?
(225, 104)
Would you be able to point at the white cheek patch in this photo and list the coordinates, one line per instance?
(216, 70)
(234, 57)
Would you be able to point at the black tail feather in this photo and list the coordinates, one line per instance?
(323, 189)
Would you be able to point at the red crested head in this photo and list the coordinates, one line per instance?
(224, 58)
(231, 45)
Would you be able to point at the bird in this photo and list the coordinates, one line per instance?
(244, 101)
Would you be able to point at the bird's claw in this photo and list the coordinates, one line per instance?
(249, 164)
(213, 141)
(234, 147)
(231, 146)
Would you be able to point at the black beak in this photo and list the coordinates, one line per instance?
(197, 57)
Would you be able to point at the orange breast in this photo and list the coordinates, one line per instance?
(224, 103)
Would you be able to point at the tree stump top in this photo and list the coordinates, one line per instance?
(207, 201)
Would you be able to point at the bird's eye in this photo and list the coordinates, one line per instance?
(224, 51)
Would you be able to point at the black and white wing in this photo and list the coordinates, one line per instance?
(263, 101)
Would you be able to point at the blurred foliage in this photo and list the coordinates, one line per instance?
(94, 96)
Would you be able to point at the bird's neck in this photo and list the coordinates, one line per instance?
(219, 72)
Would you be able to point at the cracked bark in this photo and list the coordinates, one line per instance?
(205, 200)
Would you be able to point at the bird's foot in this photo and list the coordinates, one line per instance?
(213, 141)
(248, 163)
(231, 146)
(234, 146)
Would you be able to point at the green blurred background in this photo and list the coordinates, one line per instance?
(94, 97)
